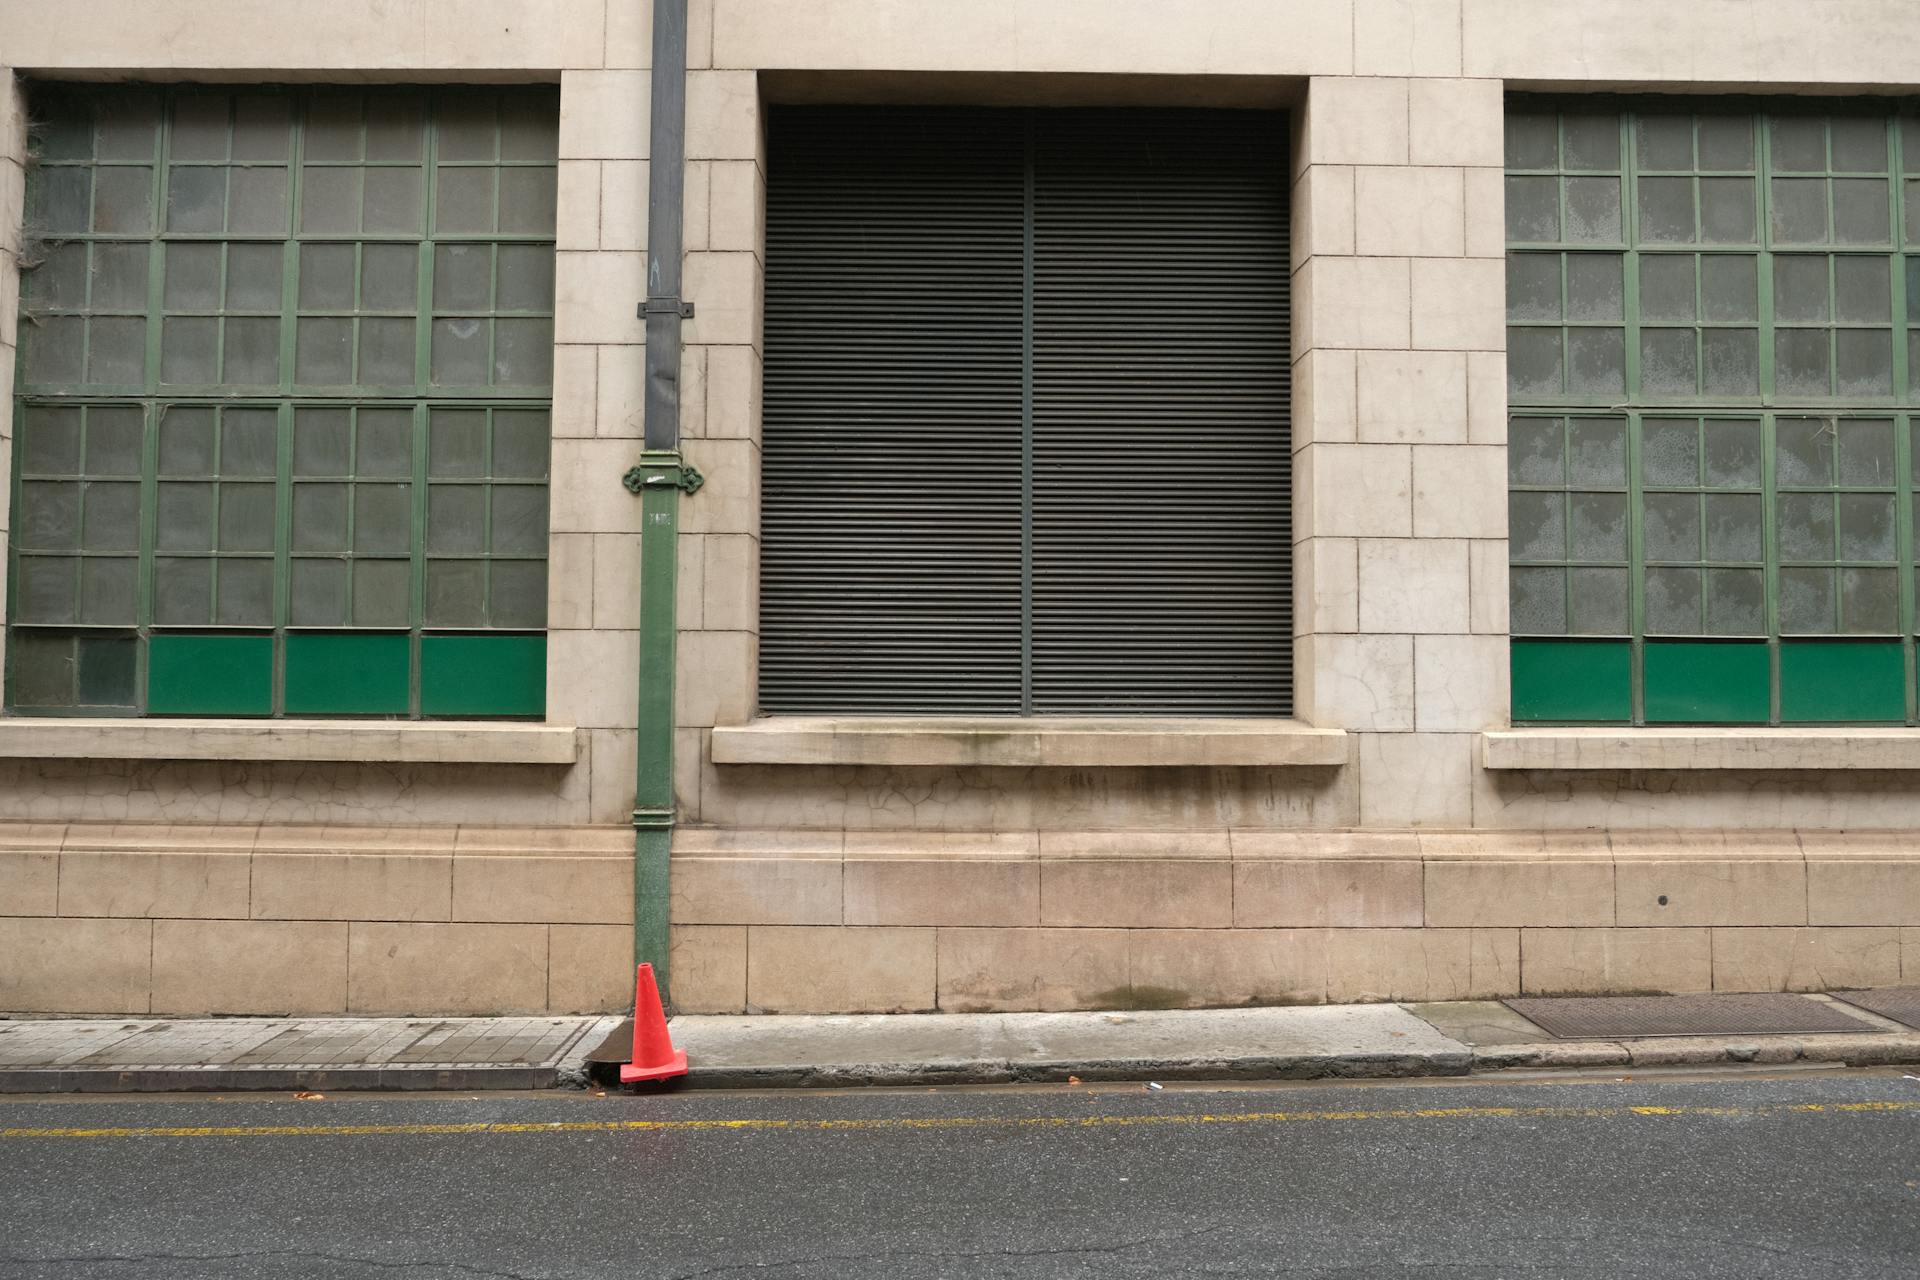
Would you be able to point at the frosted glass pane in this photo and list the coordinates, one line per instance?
(323, 355)
(1536, 526)
(1533, 140)
(395, 202)
(1598, 527)
(526, 277)
(465, 124)
(1860, 144)
(199, 127)
(1866, 452)
(385, 443)
(1804, 451)
(1805, 526)
(1800, 290)
(123, 201)
(257, 202)
(1727, 211)
(1594, 290)
(1730, 362)
(110, 519)
(462, 277)
(456, 518)
(1593, 210)
(1599, 601)
(63, 199)
(522, 352)
(396, 127)
(1736, 602)
(387, 352)
(464, 201)
(1734, 529)
(1533, 210)
(1591, 141)
(126, 120)
(252, 351)
(53, 350)
(1869, 601)
(519, 520)
(333, 127)
(48, 589)
(188, 348)
(329, 201)
(459, 357)
(50, 440)
(389, 277)
(1861, 290)
(109, 591)
(1863, 362)
(1664, 141)
(1860, 211)
(119, 277)
(246, 517)
(1536, 451)
(322, 442)
(186, 441)
(243, 593)
(1596, 362)
(1866, 526)
(115, 435)
(1598, 453)
(182, 592)
(382, 593)
(1672, 526)
(1799, 143)
(1666, 287)
(49, 517)
(527, 198)
(1806, 601)
(1673, 602)
(1799, 210)
(193, 277)
(196, 198)
(1537, 601)
(1666, 210)
(456, 443)
(318, 593)
(326, 277)
(249, 442)
(42, 670)
(59, 281)
(117, 352)
(382, 518)
(456, 593)
(519, 593)
(185, 517)
(1533, 362)
(319, 518)
(520, 444)
(1912, 203)
(1669, 452)
(1800, 362)
(529, 131)
(1668, 362)
(260, 127)
(1729, 287)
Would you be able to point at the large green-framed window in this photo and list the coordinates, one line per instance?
(1713, 333)
(282, 418)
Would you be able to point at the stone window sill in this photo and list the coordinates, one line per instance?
(1700, 748)
(407, 742)
(1023, 742)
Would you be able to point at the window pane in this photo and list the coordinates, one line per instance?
(112, 516)
(1805, 451)
(249, 442)
(384, 443)
(1806, 601)
(1533, 210)
(522, 353)
(326, 277)
(1736, 602)
(395, 202)
(1799, 143)
(1533, 286)
(1666, 210)
(518, 592)
(1734, 529)
(196, 198)
(1533, 362)
(108, 591)
(1673, 602)
(1664, 141)
(527, 201)
(1800, 210)
(456, 443)
(1861, 291)
(519, 524)
(186, 441)
(520, 444)
(119, 277)
(1806, 526)
(1670, 452)
(1863, 362)
(1536, 524)
(382, 593)
(1859, 144)
(50, 441)
(1726, 142)
(1593, 210)
(182, 592)
(456, 518)
(114, 440)
(1860, 211)
(526, 278)
(1801, 363)
(456, 593)
(1596, 362)
(1538, 601)
(464, 201)
(1866, 526)
(1668, 362)
(1598, 526)
(185, 517)
(319, 518)
(1869, 601)
(1727, 211)
(382, 519)
(118, 351)
(389, 277)
(1536, 451)
(329, 201)
(318, 593)
(243, 595)
(246, 517)
(1728, 288)
(1592, 141)
(1599, 601)
(322, 442)
(387, 356)
(1599, 451)
(1730, 362)
(460, 353)
(49, 518)
(1866, 451)
(462, 277)
(257, 202)
(1666, 287)
(323, 352)
(1533, 140)
(1672, 525)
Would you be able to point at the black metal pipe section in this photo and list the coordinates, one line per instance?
(666, 184)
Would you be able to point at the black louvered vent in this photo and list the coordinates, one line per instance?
(1026, 444)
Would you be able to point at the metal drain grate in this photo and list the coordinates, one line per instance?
(1902, 1004)
(1632, 1017)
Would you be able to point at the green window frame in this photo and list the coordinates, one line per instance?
(1713, 326)
(283, 401)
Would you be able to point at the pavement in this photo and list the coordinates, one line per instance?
(1371, 1041)
(1785, 1172)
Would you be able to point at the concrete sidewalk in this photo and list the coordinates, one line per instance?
(771, 1051)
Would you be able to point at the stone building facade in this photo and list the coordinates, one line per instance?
(1398, 836)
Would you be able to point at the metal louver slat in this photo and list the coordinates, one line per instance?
(1026, 441)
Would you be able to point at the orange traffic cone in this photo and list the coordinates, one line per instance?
(654, 1057)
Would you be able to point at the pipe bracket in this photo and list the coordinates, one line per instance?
(663, 475)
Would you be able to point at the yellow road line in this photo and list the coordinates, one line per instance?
(947, 1122)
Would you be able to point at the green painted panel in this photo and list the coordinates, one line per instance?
(1841, 680)
(470, 675)
(353, 675)
(194, 675)
(1577, 680)
(1706, 683)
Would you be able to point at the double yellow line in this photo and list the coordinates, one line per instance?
(490, 1128)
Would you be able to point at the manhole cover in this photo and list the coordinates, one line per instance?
(1902, 1004)
(1631, 1017)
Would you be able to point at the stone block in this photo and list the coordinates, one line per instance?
(1356, 120)
(623, 205)
(1456, 122)
(545, 889)
(1862, 891)
(1339, 893)
(1029, 970)
(1108, 846)
(1409, 211)
(610, 794)
(257, 967)
(1586, 962)
(593, 678)
(1406, 38)
(352, 886)
(897, 891)
(1359, 681)
(1326, 586)
(170, 884)
(56, 965)
(1359, 302)
(605, 115)
(1412, 397)
(1460, 683)
(1323, 212)
(1487, 397)
(1136, 894)
(629, 39)
(1413, 586)
(577, 206)
(1459, 491)
(1487, 586)
(1780, 959)
(1666, 892)
(446, 969)
(1416, 779)
(729, 502)
(569, 581)
(1459, 304)
(834, 970)
(733, 393)
(735, 202)
(619, 406)
(1357, 491)
(1326, 397)
(29, 882)
(616, 581)
(595, 295)
(575, 390)
(1544, 892)
(1485, 192)
(731, 589)
(590, 968)
(710, 968)
(723, 116)
(1202, 968)
(715, 680)
(725, 287)
(1369, 965)
(796, 890)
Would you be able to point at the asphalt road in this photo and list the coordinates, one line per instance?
(1803, 1175)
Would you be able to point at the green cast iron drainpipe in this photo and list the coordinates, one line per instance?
(659, 480)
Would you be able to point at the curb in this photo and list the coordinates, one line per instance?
(275, 1079)
(1849, 1049)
